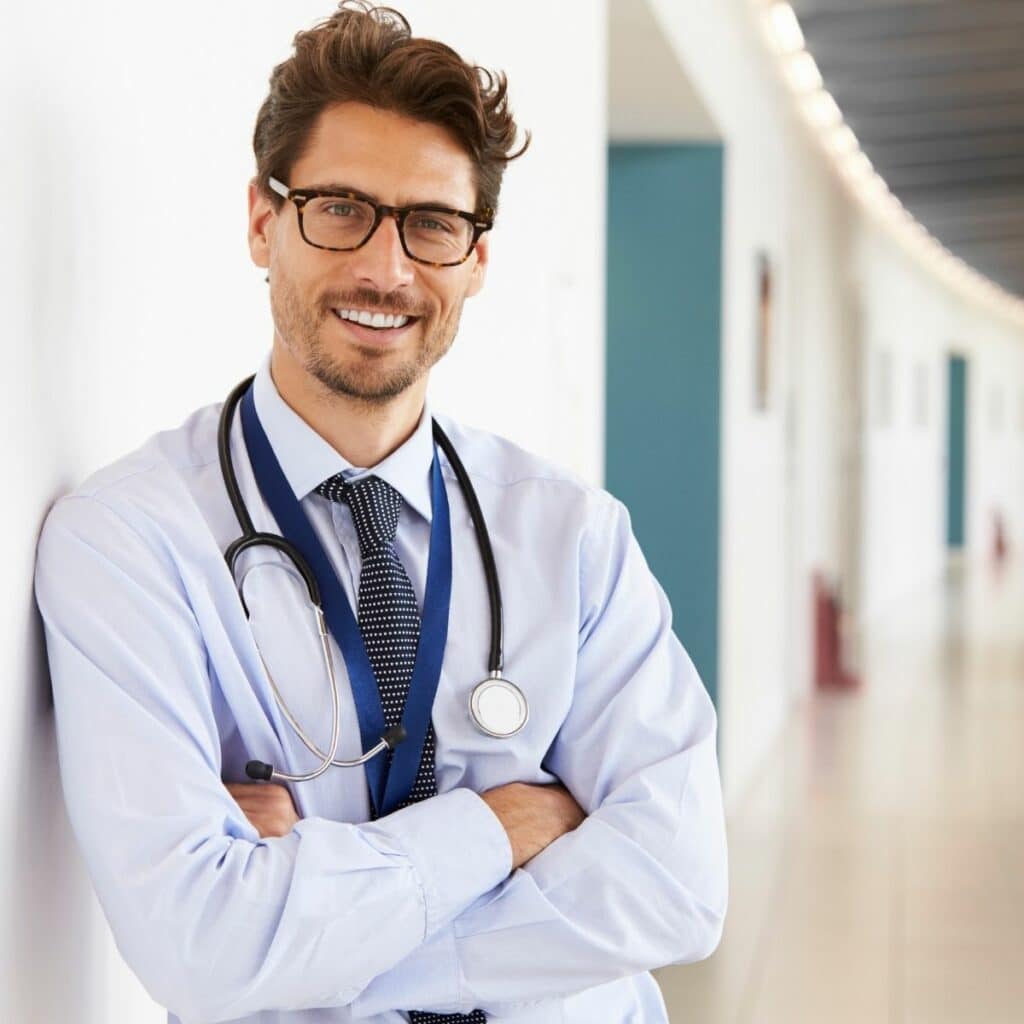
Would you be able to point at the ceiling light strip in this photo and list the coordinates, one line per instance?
(840, 144)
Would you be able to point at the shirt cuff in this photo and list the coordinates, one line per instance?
(457, 847)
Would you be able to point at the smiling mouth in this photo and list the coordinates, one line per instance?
(376, 321)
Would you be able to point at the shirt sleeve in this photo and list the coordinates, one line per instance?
(643, 881)
(216, 922)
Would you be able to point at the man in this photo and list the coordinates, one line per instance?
(529, 877)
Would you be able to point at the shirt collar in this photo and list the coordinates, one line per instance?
(307, 459)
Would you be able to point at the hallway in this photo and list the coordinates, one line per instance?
(876, 866)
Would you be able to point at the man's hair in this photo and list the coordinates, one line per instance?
(368, 54)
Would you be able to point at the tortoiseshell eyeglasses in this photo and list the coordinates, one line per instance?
(343, 221)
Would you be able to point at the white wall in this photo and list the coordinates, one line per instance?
(912, 325)
(995, 456)
(129, 299)
(779, 488)
(909, 324)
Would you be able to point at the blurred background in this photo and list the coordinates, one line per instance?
(776, 311)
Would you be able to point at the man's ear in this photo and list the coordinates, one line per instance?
(262, 219)
(479, 272)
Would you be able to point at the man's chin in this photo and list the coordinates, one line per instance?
(373, 388)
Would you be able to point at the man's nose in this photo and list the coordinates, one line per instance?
(381, 263)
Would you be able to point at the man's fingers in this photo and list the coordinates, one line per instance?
(261, 796)
(268, 806)
(264, 791)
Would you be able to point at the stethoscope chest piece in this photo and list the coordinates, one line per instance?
(498, 707)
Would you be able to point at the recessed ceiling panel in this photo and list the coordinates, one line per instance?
(934, 90)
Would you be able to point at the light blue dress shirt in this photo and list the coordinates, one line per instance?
(161, 697)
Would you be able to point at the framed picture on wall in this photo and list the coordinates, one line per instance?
(764, 331)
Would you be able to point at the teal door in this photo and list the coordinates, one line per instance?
(664, 373)
(957, 453)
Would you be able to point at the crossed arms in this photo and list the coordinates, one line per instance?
(415, 909)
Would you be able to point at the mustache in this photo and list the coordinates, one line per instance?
(369, 298)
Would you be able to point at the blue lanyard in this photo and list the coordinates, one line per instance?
(388, 787)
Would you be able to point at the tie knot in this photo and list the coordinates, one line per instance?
(375, 508)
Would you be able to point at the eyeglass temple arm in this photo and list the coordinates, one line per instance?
(280, 188)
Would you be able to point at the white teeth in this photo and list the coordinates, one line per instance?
(377, 320)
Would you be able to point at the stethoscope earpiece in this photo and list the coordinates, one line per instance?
(259, 770)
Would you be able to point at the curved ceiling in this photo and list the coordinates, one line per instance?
(934, 90)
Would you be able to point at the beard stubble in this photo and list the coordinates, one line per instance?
(366, 375)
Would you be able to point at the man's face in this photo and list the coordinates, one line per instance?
(398, 162)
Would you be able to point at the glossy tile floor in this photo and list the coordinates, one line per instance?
(877, 868)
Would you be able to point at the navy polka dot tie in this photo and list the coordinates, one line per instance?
(390, 623)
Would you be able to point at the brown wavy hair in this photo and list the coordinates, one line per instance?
(367, 53)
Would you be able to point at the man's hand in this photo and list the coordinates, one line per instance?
(267, 805)
(533, 816)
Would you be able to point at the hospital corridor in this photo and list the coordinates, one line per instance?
(514, 512)
(876, 863)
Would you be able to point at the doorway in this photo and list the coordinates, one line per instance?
(956, 455)
(663, 368)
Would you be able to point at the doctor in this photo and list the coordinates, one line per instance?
(530, 877)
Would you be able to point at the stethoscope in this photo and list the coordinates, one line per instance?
(497, 707)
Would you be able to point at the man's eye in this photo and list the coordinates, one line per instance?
(427, 222)
(340, 209)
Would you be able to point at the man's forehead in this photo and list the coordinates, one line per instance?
(391, 157)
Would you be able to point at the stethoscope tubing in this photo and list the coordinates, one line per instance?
(252, 538)
(495, 658)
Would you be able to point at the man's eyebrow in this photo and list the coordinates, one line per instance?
(337, 186)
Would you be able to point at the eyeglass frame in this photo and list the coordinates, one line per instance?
(301, 196)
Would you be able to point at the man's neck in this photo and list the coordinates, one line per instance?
(363, 433)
